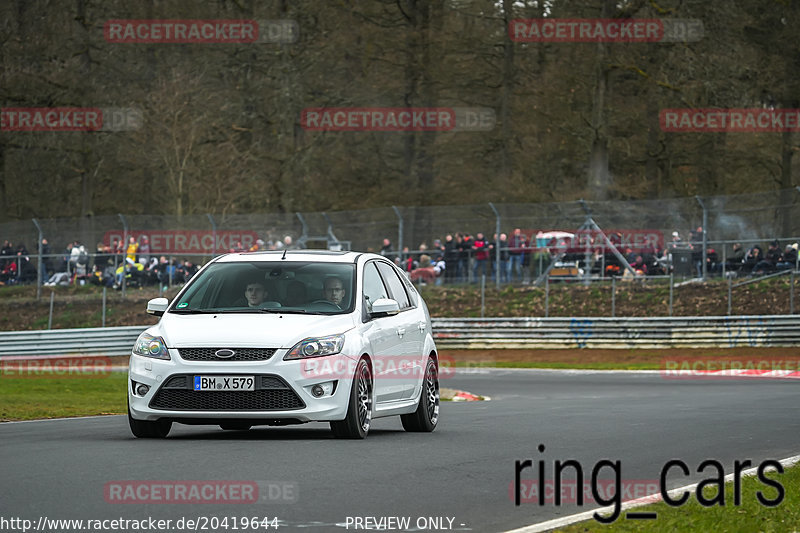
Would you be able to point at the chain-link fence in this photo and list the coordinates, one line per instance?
(566, 239)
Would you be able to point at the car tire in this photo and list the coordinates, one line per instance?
(425, 418)
(359, 408)
(233, 426)
(145, 429)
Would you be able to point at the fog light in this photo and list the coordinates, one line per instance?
(317, 391)
(142, 389)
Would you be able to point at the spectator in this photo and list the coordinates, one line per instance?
(44, 261)
(6, 253)
(144, 250)
(789, 258)
(26, 269)
(166, 272)
(465, 256)
(71, 257)
(450, 257)
(185, 272)
(82, 260)
(102, 256)
(59, 278)
(9, 274)
(437, 248)
(735, 261)
(132, 271)
(517, 247)
(386, 249)
(424, 273)
(769, 262)
(505, 263)
(103, 275)
(639, 266)
(676, 243)
(753, 256)
(409, 262)
(696, 245)
(712, 260)
(439, 267)
(481, 247)
(132, 249)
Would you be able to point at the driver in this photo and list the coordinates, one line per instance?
(333, 290)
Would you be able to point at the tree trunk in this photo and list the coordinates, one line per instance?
(599, 175)
(506, 163)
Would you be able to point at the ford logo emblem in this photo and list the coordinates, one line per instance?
(224, 353)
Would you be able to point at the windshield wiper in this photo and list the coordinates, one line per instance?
(272, 310)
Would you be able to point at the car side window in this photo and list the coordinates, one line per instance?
(373, 286)
(396, 289)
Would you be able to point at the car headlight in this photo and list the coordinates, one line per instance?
(149, 346)
(316, 347)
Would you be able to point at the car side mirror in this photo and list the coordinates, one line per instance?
(157, 306)
(384, 307)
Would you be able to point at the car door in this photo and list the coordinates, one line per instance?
(385, 336)
(409, 365)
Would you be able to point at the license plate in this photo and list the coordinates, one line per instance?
(224, 383)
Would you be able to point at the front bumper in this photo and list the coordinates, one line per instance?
(283, 390)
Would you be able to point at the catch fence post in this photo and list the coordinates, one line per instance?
(50, 317)
(671, 289)
(399, 232)
(483, 292)
(124, 251)
(613, 296)
(547, 296)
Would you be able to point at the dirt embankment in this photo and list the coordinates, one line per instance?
(75, 307)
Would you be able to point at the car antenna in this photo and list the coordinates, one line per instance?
(284, 253)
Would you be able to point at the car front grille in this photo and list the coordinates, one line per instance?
(240, 354)
(272, 394)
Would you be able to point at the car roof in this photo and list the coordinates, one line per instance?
(314, 256)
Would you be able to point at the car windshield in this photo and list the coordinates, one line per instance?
(279, 286)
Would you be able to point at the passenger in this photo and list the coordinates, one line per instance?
(255, 293)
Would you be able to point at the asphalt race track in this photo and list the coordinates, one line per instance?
(463, 471)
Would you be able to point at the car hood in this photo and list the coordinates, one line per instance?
(248, 330)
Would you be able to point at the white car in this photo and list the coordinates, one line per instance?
(272, 338)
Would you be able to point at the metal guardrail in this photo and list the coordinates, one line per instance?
(110, 342)
(659, 332)
(484, 333)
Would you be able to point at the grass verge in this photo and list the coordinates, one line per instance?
(28, 398)
(751, 515)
